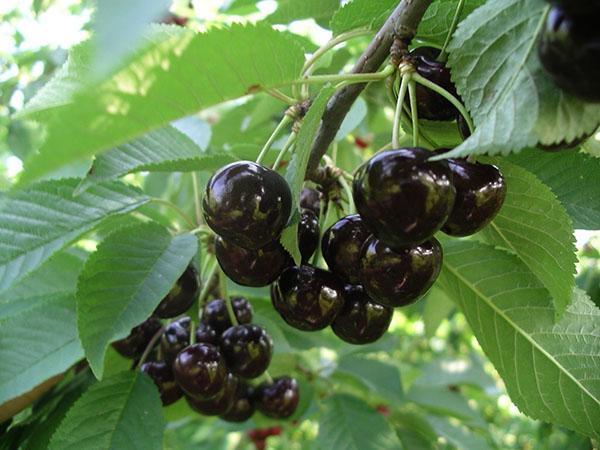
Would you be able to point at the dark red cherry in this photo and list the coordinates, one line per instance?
(200, 370)
(278, 400)
(163, 377)
(215, 313)
(569, 50)
(308, 234)
(207, 334)
(463, 127)
(480, 193)
(177, 336)
(578, 6)
(181, 297)
(247, 204)
(307, 298)
(311, 199)
(247, 350)
(135, 343)
(403, 198)
(399, 277)
(255, 268)
(219, 404)
(243, 404)
(432, 105)
(361, 320)
(341, 247)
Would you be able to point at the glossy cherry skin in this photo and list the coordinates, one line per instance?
(361, 320)
(220, 404)
(308, 234)
(215, 313)
(243, 404)
(254, 268)
(399, 277)
(308, 298)
(200, 370)
(135, 343)
(181, 297)
(578, 6)
(177, 336)
(247, 204)
(311, 199)
(569, 51)
(247, 350)
(341, 247)
(278, 400)
(403, 198)
(163, 377)
(431, 105)
(480, 193)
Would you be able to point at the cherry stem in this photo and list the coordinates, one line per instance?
(284, 122)
(175, 208)
(192, 332)
(414, 113)
(443, 56)
(398, 114)
(276, 93)
(348, 191)
(227, 299)
(197, 198)
(288, 145)
(206, 287)
(149, 347)
(447, 95)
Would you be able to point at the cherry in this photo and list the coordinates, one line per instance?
(480, 193)
(163, 377)
(569, 51)
(278, 400)
(215, 313)
(307, 298)
(399, 277)
(200, 370)
(181, 297)
(135, 343)
(577, 6)
(430, 104)
(247, 350)
(177, 336)
(220, 404)
(207, 334)
(341, 247)
(243, 404)
(247, 204)
(403, 198)
(308, 234)
(255, 268)
(463, 127)
(311, 199)
(361, 320)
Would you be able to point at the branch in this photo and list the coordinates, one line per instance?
(402, 24)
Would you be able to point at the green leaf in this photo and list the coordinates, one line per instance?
(437, 308)
(576, 188)
(549, 368)
(351, 424)
(456, 371)
(124, 281)
(438, 18)
(535, 226)
(513, 102)
(182, 74)
(459, 436)
(290, 10)
(121, 412)
(378, 376)
(162, 150)
(361, 13)
(37, 222)
(353, 119)
(289, 241)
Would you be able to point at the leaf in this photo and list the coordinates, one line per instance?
(37, 222)
(124, 281)
(350, 424)
(460, 437)
(121, 412)
(361, 13)
(380, 377)
(162, 150)
(353, 119)
(180, 75)
(289, 241)
(497, 72)
(438, 19)
(535, 226)
(456, 371)
(198, 130)
(549, 368)
(437, 308)
(290, 10)
(576, 188)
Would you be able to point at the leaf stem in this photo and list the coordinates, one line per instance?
(443, 56)
(288, 145)
(149, 347)
(349, 78)
(398, 114)
(284, 122)
(175, 208)
(414, 113)
(276, 93)
(197, 198)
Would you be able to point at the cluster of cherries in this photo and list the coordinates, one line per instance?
(213, 370)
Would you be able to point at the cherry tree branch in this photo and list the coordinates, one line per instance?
(401, 24)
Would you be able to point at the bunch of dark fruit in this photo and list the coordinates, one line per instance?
(248, 206)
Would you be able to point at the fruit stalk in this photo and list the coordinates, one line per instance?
(398, 114)
(284, 122)
(149, 347)
(413, 111)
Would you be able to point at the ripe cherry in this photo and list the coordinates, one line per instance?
(399, 277)
(215, 313)
(361, 320)
(578, 6)
(177, 336)
(255, 268)
(308, 234)
(200, 370)
(163, 377)
(402, 197)
(247, 204)
(247, 350)
(307, 298)
(278, 400)
(135, 343)
(480, 193)
(341, 247)
(181, 297)
(311, 199)
(243, 404)
(219, 404)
